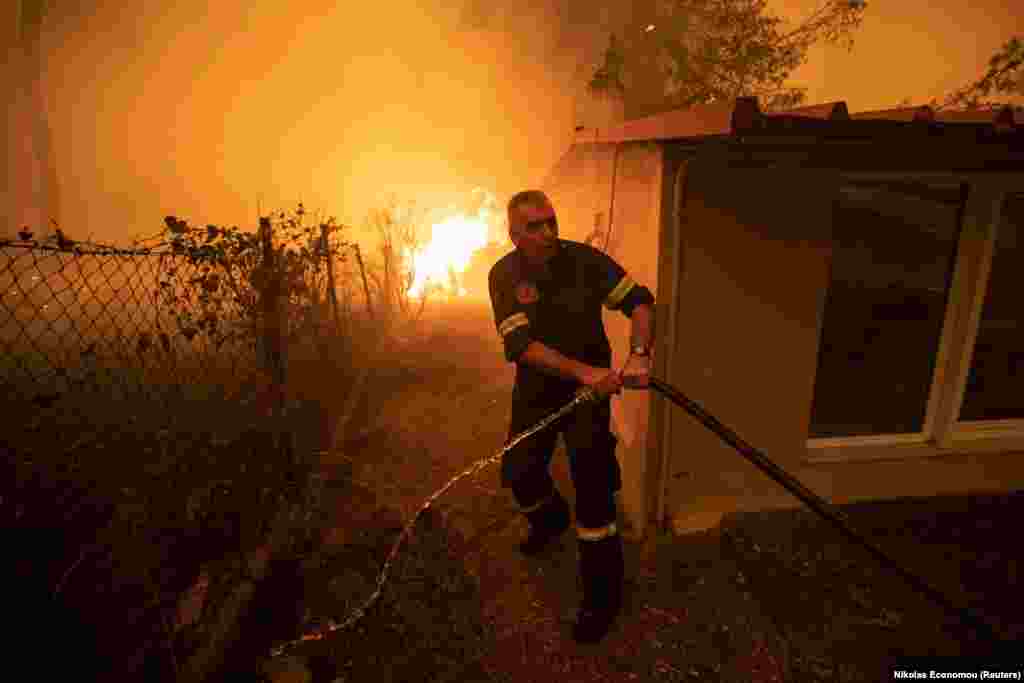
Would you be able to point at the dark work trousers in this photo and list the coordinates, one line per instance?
(591, 447)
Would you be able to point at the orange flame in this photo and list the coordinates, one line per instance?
(441, 263)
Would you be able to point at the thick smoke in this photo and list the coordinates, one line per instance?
(210, 110)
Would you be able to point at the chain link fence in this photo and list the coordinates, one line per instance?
(153, 429)
(98, 319)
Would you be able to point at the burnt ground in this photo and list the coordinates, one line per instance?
(107, 523)
(768, 597)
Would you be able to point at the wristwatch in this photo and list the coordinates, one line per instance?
(640, 350)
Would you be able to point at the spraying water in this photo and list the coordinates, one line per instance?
(582, 396)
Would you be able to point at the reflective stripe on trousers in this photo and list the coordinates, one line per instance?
(596, 534)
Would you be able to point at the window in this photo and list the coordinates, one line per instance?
(995, 381)
(894, 255)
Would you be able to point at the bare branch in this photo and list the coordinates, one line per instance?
(1005, 76)
(722, 49)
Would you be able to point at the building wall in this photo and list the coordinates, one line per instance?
(752, 273)
(633, 243)
(580, 186)
(743, 264)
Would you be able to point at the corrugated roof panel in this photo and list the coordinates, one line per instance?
(980, 116)
(743, 117)
(828, 111)
(901, 114)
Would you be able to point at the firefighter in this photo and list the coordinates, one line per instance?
(547, 296)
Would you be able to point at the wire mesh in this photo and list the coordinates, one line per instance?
(89, 318)
(145, 377)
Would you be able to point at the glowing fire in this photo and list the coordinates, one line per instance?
(447, 255)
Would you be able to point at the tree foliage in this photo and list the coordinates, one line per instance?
(713, 50)
(1005, 76)
(227, 276)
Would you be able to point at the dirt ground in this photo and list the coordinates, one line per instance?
(776, 597)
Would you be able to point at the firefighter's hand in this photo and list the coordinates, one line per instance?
(636, 373)
(603, 381)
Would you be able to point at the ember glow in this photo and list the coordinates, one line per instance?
(447, 255)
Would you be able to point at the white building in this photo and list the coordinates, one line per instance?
(841, 291)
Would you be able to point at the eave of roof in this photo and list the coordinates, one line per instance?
(743, 117)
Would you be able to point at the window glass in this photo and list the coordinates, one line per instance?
(894, 253)
(995, 382)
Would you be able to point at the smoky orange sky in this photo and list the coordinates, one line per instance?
(204, 110)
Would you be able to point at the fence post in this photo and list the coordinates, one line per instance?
(270, 299)
(366, 287)
(325, 246)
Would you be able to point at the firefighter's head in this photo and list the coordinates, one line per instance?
(532, 225)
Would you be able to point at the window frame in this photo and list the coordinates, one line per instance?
(943, 433)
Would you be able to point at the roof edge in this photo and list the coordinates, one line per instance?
(830, 111)
(743, 116)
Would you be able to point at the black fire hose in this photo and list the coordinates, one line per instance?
(820, 506)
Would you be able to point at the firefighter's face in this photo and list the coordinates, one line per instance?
(534, 231)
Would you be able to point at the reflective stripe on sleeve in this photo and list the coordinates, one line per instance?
(536, 506)
(598, 534)
(620, 292)
(514, 321)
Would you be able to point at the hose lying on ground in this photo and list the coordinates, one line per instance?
(819, 505)
(758, 459)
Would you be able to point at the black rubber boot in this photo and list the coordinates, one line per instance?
(546, 524)
(601, 570)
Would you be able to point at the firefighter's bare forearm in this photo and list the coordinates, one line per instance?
(547, 360)
(643, 326)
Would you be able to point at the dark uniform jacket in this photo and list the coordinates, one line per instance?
(560, 307)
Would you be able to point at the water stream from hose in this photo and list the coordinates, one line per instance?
(582, 396)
